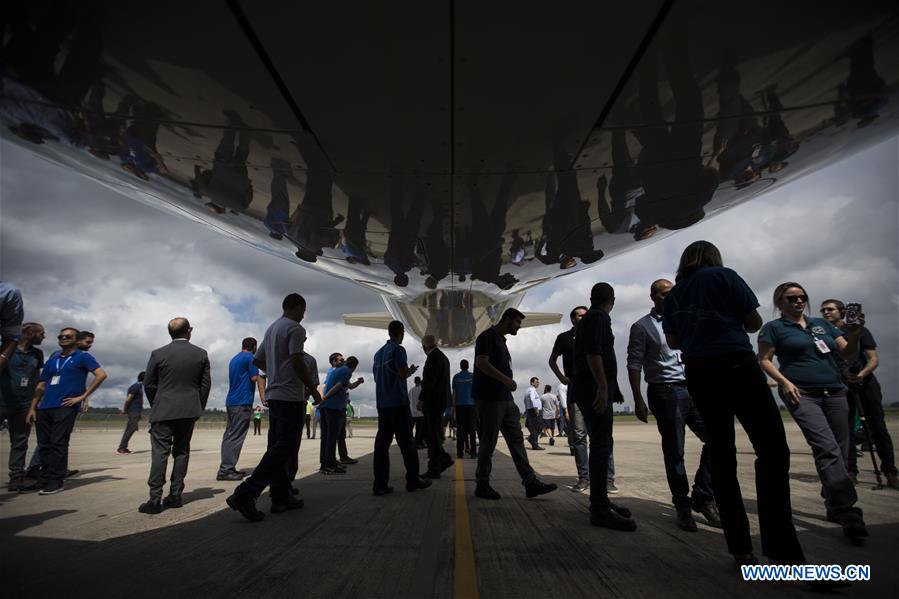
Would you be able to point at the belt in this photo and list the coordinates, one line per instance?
(822, 392)
(673, 384)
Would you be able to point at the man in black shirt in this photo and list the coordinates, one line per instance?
(577, 435)
(492, 391)
(864, 387)
(594, 387)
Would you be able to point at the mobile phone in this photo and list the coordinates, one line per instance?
(853, 311)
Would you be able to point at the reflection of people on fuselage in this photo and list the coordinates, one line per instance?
(437, 248)
(227, 184)
(677, 186)
(138, 151)
(102, 132)
(30, 116)
(487, 233)
(352, 237)
(865, 92)
(277, 213)
(400, 254)
(743, 147)
(567, 233)
(518, 251)
(618, 216)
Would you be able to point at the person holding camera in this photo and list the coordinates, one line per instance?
(811, 388)
(858, 374)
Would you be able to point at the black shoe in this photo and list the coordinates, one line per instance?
(294, 491)
(71, 473)
(448, 463)
(485, 491)
(173, 501)
(610, 519)
(421, 483)
(292, 503)
(855, 529)
(537, 448)
(552, 441)
(340, 468)
(620, 510)
(383, 491)
(348, 461)
(52, 488)
(230, 476)
(709, 511)
(332, 471)
(31, 487)
(685, 521)
(536, 487)
(15, 483)
(431, 475)
(153, 506)
(247, 507)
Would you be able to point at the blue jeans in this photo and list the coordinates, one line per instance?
(599, 428)
(673, 410)
(577, 441)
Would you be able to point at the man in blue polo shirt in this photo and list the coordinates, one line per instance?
(333, 407)
(57, 399)
(464, 412)
(243, 378)
(394, 416)
(19, 373)
(134, 406)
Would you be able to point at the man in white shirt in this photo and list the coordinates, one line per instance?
(532, 408)
(418, 417)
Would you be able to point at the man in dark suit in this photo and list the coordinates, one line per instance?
(177, 386)
(435, 397)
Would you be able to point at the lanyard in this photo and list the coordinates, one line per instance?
(58, 367)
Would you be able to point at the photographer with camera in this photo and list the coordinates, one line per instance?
(858, 374)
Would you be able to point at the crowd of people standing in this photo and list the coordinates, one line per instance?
(692, 348)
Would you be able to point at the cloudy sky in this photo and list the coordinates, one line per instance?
(87, 257)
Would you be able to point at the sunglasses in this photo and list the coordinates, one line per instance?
(61, 337)
(795, 299)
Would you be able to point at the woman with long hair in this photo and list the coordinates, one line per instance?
(811, 387)
(707, 316)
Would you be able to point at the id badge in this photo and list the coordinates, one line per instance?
(822, 347)
(54, 380)
(24, 382)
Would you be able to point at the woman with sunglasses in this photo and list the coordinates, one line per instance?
(811, 387)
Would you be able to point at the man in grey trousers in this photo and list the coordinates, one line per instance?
(177, 386)
(134, 405)
(243, 379)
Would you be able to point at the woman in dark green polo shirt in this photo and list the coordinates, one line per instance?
(811, 387)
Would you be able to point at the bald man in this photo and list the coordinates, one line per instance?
(177, 384)
(670, 402)
(435, 398)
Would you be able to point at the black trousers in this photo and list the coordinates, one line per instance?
(307, 418)
(871, 397)
(733, 385)
(130, 429)
(394, 422)
(169, 437)
(419, 424)
(466, 423)
(257, 426)
(54, 428)
(331, 425)
(437, 455)
(272, 471)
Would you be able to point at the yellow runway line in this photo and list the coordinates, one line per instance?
(465, 575)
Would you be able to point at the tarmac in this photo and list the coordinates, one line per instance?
(90, 540)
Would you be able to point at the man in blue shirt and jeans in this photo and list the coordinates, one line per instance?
(243, 378)
(56, 402)
(134, 405)
(391, 370)
(19, 372)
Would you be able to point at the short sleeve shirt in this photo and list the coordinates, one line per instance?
(242, 389)
(284, 338)
(485, 388)
(136, 405)
(337, 375)
(18, 378)
(705, 312)
(550, 406)
(390, 387)
(66, 376)
(564, 346)
(462, 388)
(798, 358)
(865, 342)
(594, 337)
